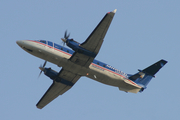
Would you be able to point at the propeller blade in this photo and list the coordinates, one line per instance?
(63, 44)
(44, 64)
(42, 68)
(39, 74)
(66, 36)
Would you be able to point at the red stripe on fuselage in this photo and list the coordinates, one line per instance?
(51, 47)
(115, 73)
(91, 63)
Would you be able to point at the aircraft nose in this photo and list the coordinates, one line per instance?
(20, 43)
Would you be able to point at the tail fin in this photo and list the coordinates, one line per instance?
(143, 77)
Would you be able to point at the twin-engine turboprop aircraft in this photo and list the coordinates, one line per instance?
(80, 62)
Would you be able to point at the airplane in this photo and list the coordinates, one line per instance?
(80, 61)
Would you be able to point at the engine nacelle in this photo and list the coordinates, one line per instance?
(54, 76)
(77, 48)
(50, 73)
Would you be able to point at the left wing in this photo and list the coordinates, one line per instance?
(59, 86)
(94, 41)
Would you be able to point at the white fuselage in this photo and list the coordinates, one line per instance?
(104, 74)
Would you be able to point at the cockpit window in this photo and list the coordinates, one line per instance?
(42, 41)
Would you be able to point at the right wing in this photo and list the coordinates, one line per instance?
(64, 82)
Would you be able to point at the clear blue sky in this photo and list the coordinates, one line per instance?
(142, 32)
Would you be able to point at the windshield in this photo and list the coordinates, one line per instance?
(42, 41)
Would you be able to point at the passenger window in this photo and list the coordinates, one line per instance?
(98, 63)
(68, 51)
(56, 46)
(104, 65)
(61, 48)
(50, 43)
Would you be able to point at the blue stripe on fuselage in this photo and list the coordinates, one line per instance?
(99, 64)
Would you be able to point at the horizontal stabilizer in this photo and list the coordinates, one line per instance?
(151, 70)
(143, 77)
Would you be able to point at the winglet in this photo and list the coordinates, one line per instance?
(114, 11)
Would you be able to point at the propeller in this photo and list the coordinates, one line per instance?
(42, 68)
(66, 36)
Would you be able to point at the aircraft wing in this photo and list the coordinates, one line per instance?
(67, 79)
(81, 59)
(59, 86)
(94, 41)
